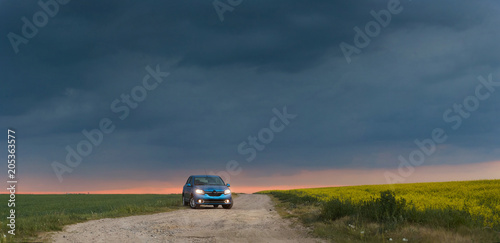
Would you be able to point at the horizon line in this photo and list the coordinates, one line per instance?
(172, 191)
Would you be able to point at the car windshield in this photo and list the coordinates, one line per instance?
(208, 181)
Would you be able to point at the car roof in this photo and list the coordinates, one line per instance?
(204, 176)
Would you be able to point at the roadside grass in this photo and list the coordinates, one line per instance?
(384, 215)
(36, 214)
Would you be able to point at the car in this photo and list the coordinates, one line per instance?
(206, 190)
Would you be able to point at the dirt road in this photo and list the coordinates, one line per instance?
(252, 219)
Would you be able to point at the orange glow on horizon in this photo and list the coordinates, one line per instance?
(301, 179)
(175, 190)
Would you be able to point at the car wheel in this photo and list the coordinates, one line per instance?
(216, 206)
(227, 206)
(184, 203)
(192, 203)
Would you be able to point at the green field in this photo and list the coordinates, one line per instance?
(43, 213)
(468, 210)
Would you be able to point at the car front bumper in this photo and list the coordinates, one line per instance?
(213, 200)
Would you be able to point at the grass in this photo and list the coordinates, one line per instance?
(43, 213)
(420, 212)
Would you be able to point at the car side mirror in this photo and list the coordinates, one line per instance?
(228, 185)
(188, 185)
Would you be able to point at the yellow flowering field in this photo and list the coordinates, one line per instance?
(480, 198)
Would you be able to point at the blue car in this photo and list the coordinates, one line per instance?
(206, 190)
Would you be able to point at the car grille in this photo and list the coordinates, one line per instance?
(214, 194)
(213, 201)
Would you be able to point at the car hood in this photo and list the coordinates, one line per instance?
(209, 188)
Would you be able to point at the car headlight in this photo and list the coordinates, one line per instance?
(199, 191)
(227, 191)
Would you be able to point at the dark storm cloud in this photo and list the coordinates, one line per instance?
(226, 77)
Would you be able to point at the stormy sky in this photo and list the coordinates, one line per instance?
(235, 66)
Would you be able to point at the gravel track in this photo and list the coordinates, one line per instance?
(252, 219)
